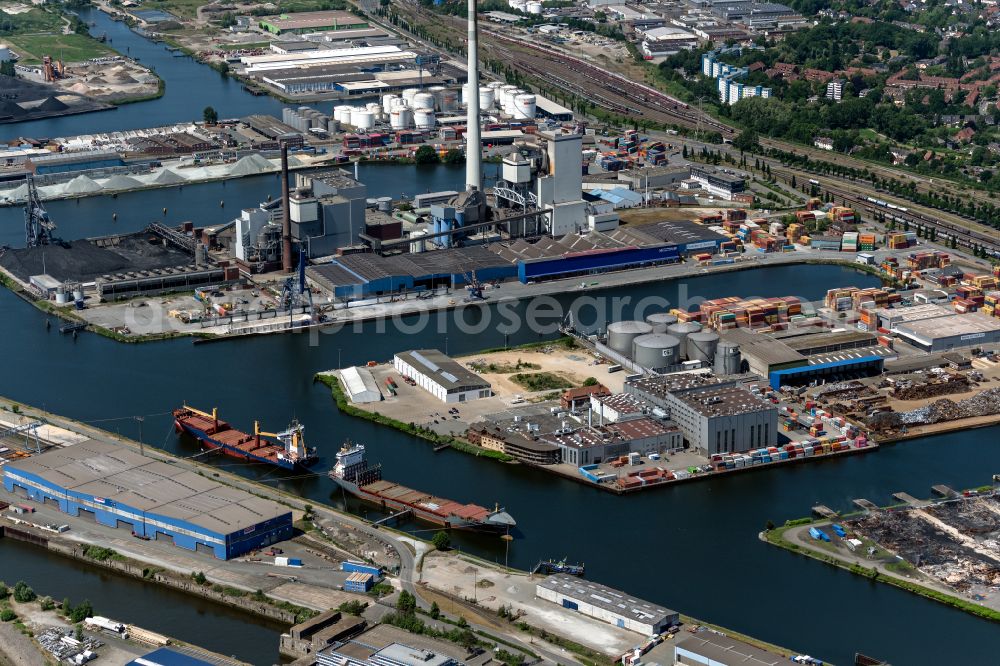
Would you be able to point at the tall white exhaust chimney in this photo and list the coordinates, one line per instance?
(473, 135)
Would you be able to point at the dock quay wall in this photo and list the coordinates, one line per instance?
(127, 567)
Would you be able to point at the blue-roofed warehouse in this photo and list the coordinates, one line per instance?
(591, 262)
(119, 487)
(169, 657)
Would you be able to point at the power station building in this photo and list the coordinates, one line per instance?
(122, 488)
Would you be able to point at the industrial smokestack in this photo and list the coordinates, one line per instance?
(286, 213)
(473, 137)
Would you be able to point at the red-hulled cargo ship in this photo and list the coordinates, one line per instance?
(353, 474)
(289, 452)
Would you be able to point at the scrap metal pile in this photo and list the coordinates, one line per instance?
(983, 404)
(956, 542)
(938, 385)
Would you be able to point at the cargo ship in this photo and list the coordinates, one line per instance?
(354, 475)
(289, 452)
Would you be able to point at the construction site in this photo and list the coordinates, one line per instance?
(955, 542)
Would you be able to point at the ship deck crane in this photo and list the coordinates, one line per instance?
(38, 227)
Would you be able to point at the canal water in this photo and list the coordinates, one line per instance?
(692, 547)
(197, 621)
(190, 87)
(216, 202)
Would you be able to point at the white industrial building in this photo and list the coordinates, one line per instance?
(667, 40)
(360, 385)
(606, 604)
(445, 379)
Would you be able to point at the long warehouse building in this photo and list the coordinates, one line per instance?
(607, 604)
(120, 487)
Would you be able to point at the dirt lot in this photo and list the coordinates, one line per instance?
(491, 588)
(574, 365)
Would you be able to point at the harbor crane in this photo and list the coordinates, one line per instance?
(38, 227)
(296, 293)
(474, 286)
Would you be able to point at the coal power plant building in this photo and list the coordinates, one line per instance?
(120, 487)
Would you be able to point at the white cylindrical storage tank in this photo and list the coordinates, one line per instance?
(447, 99)
(533, 7)
(660, 320)
(417, 241)
(78, 294)
(62, 295)
(423, 101)
(525, 107)
(424, 119)
(495, 84)
(656, 351)
(505, 97)
(376, 110)
(387, 101)
(520, 5)
(508, 105)
(342, 113)
(681, 330)
(728, 359)
(408, 95)
(485, 98)
(701, 346)
(401, 118)
(362, 119)
(621, 334)
(399, 103)
(436, 91)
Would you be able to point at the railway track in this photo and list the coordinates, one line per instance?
(964, 237)
(593, 83)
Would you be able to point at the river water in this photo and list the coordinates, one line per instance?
(692, 547)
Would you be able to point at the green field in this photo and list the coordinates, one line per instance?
(183, 9)
(68, 48)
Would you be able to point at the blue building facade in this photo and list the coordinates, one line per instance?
(804, 374)
(595, 261)
(167, 521)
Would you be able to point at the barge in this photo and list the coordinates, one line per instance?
(355, 476)
(289, 452)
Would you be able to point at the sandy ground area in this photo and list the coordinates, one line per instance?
(574, 365)
(491, 589)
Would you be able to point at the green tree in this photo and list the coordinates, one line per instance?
(81, 612)
(590, 381)
(78, 631)
(454, 156)
(442, 540)
(407, 603)
(199, 577)
(7, 615)
(426, 155)
(210, 115)
(22, 593)
(747, 141)
(435, 610)
(66, 607)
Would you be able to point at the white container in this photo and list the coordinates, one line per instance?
(525, 107)
(408, 95)
(388, 100)
(485, 98)
(401, 118)
(423, 101)
(342, 114)
(362, 119)
(534, 7)
(424, 119)
(399, 103)
(508, 100)
(376, 110)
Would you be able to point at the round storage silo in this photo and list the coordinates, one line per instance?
(362, 119)
(447, 99)
(424, 119)
(701, 346)
(656, 351)
(534, 7)
(401, 118)
(681, 330)
(525, 107)
(660, 320)
(409, 94)
(621, 334)
(387, 101)
(423, 101)
(384, 204)
(485, 98)
(728, 359)
(342, 113)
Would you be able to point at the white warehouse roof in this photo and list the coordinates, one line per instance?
(360, 384)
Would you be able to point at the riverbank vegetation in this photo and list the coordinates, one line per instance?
(344, 405)
(776, 537)
(541, 381)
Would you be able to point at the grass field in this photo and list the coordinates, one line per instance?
(183, 9)
(68, 48)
